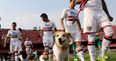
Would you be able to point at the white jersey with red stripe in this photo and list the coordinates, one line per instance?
(70, 14)
(48, 27)
(94, 4)
(14, 40)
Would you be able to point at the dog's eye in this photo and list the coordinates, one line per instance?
(63, 35)
(57, 35)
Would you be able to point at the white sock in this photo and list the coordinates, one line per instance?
(50, 55)
(105, 46)
(16, 58)
(81, 55)
(91, 49)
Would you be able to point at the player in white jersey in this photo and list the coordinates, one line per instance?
(96, 16)
(28, 46)
(70, 15)
(48, 29)
(15, 47)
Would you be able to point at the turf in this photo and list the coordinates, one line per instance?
(111, 54)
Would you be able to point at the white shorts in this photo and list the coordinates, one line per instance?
(75, 35)
(93, 20)
(48, 41)
(15, 45)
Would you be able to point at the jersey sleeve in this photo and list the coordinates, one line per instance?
(25, 43)
(63, 15)
(19, 33)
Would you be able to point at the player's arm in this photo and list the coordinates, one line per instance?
(63, 16)
(106, 10)
(20, 36)
(62, 24)
(5, 41)
(42, 30)
(54, 27)
(79, 25)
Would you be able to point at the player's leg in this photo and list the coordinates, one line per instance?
(79, 46)
(20, 50)
(74, 49)
(16, 53)
(106, 40)
(12, 54)
(45, 43)
(91, 46)
(107, 28)
(51, 43)
(90, 28)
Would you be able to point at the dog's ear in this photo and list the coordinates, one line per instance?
(68, 34)
(55, 34)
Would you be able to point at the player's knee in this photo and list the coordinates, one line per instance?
(79, 43)
(50, 50)
(79, 49)
(91, 37)
(46, 48)
(108, 32)
(108, 38)
(109, 35)
(91, 43)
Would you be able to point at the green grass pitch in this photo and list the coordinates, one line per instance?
(111, 54)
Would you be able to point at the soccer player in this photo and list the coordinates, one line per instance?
(14, 36)
(48, 29)
(74, 28)
(96, 16)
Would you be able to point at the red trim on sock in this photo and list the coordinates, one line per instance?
(46, 46)
(107, 26)
(89, 32)
(91, 42)
(108, 37)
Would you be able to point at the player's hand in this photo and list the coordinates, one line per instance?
(63, 30)
(110, 18)
(4, 45)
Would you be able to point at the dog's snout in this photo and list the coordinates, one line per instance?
(60, 40)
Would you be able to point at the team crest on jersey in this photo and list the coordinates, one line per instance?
(89, 28)
(73, 13)
(47, 24)
(14, 34)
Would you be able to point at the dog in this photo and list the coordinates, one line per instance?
(44, 56)
(61, 46)
(33, 56)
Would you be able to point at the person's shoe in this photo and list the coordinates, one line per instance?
(98, 58)
(105, 58)
(75, 59)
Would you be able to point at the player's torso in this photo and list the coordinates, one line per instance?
(47, 28)
(94, 4)
(71, 16)
(14, 34)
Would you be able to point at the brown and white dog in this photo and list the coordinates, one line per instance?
(44, 56)
(61, 46)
